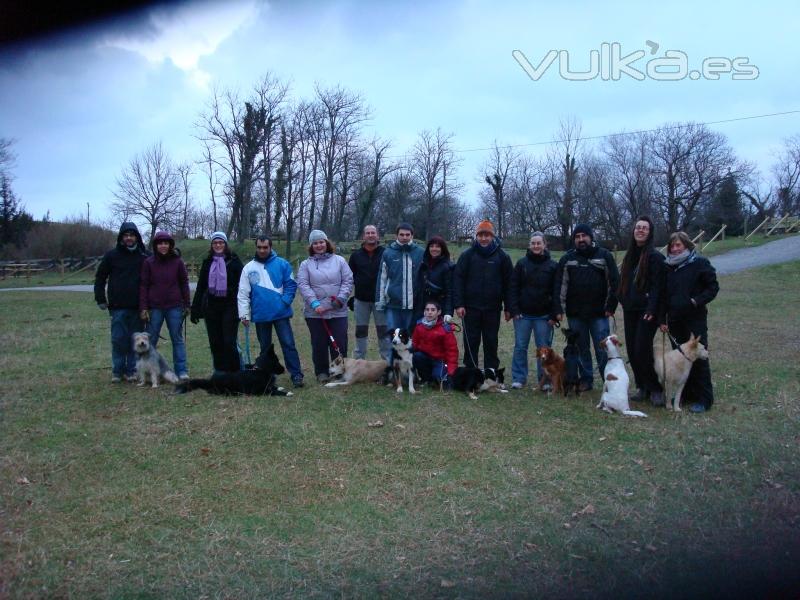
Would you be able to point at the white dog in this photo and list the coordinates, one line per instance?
(615, 381)
(678, 363)
(356, 370)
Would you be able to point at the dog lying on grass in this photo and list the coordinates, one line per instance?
(356, 370)
(473, 380)
(615, 381)
(149, 361)
(258, 381)
(678, 363)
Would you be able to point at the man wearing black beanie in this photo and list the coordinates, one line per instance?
(586, 279)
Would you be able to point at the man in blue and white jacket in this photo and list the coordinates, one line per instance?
(397, 273)
(266, 291)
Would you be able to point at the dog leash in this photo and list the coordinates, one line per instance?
(334, 345)
(247, 360)
(466, 342)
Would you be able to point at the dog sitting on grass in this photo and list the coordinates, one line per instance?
(258, 381)
(572, 377)
(678, 363)
(149, 361)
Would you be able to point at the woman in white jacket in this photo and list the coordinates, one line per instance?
(325, 282)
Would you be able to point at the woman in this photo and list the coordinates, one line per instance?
(436, 277)
(215, 301)
(531, 306)
(325, 282)
(435, 346)
(690, 284)
(164, 295)
(639, 290)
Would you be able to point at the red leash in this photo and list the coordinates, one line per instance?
(334, 345)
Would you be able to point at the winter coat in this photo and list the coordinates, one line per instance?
(482, 281)
(164, 280)
(438, 342)
(532, 284)
(586, 283)
(694, 279)
(233, 270)
(436, 283)
(646, 300)
(398, 275)
(365, 267)
(266, 290)
(121, 268)
(325, 279)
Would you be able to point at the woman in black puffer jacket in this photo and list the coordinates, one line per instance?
(640, 282)
(690, 284)
(435, 278)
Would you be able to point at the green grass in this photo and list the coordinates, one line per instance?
(116, 491)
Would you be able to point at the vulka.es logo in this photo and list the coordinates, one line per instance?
(609, 64)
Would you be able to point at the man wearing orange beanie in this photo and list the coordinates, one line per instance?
(481, 283)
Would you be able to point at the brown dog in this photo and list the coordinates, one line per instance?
(553, 365)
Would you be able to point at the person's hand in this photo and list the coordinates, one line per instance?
(559, 318)
(664, 328)
(144, 315)
(551, 322)
(245, 321)
(507, 315)
(320, 310)
(195, 318)
(460, 312)
(447, 318)
(336, 303)
(380, 306)
(102, 306)
(186, 312)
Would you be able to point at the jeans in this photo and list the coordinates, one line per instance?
(174, 319)
(597, 328)
(283, 329)
(402, 318)
(429, 368)
(124, 323)
(542, 335)
(362, 311)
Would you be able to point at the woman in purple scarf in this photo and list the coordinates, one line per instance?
(215, 301)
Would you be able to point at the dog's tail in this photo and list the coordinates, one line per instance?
(633, 413)
(191, 384)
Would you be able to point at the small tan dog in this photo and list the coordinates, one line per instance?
(356, 370)
(678, 363)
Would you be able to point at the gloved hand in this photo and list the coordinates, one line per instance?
(447, 318)
(144, 315)
(195, 318)
(102, 306)
(336, 303)
(186, 312)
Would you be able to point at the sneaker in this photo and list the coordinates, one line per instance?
(547, 388)
(131, 378)
(183, 377)
(323, 378)
(298, 382)
(517, 385)
(697, 408)
(116, 379)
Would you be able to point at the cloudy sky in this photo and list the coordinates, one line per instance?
(81, 102)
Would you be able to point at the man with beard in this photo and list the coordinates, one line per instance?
(584, 289)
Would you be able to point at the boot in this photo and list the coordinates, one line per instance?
(657, 399)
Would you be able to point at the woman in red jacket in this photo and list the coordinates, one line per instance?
(435, 346)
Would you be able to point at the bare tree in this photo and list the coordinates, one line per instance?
(532, 198)
(149, 188)
(184, 171)
(786, 171)
(626, 156)
(498, 169)
(377, 168)
(562, 159)
(7, 156)
(210, 167)
(432, 160)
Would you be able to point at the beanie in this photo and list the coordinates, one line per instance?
(218, 235)
(316, 235)
(485, 226)
(583, 228)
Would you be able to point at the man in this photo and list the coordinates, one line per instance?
(266, 292)
(586, 278)
(364, 264)
(120, 267)
(396, 278)
(481, 285)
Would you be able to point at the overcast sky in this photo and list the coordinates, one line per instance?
(81, 103)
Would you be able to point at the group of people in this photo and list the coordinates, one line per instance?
(420, 290)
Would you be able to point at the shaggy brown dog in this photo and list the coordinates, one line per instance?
(553, 365)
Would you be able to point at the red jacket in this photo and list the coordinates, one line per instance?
(438, 342)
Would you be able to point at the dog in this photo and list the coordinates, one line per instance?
(402, 359)
(469, 380)
(615, 381)
(258, 381)
(554, 367)
(356, 370)
(678, 364)
(149, 360)
(572, 374)
(494, 380)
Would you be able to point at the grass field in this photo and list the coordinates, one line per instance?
(120, 492)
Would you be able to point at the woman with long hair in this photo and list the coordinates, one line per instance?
(641, 278)
(436, 278)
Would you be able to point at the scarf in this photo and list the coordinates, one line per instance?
(488, 250)
(427, 323)
(218, 277)
(677, 260)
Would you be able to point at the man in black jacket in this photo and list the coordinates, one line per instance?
(365, 263)
(586, 281)
(120, 267)
(481, 282)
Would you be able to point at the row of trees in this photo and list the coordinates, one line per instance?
(14, 221)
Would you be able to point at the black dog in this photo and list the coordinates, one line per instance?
(402, 359)
(258, 381)
(469, 380)
(572, 378)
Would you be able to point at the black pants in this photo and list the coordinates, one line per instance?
(639, 339)
(698, 387)
(481, 324)
(321, 347)
(222, 326)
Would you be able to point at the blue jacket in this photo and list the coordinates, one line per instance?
(398, 275)
(266, 290)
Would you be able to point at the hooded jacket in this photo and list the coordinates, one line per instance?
(398, 276)
(121, 268)
(482, 278)
(438, 342)
(532, 284)
(164, 280)
(266, 289)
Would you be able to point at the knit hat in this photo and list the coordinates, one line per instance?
(218, 235)
(316, 235)
(485, 226)
(583, 228)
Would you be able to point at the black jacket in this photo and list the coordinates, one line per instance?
(586, 283)
(233, 270)
(646, 300)
(482, 281)
(436, 283)
(694, 279)
(120, 268)
(532, 285)
(365, 268)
